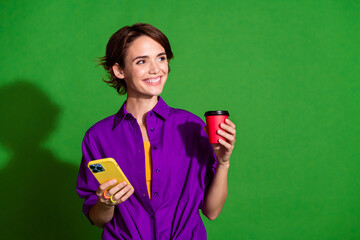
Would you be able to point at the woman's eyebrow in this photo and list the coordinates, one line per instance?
(146, 56)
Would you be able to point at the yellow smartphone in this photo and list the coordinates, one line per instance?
(107, 169)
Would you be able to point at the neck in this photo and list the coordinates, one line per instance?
(138, 107)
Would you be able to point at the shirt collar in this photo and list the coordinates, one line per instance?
(161, 109)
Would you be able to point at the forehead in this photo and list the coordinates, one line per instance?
(144, 46)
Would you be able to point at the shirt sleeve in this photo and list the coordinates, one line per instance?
(208, 157)
(86, 183)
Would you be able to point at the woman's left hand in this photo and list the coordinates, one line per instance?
(223, 149)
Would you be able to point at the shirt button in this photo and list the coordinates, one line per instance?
(155, 147)
(158, 170)
(144, 195)
(151, 114)
(155, 193)
(152, 129)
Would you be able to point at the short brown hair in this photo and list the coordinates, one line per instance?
(118, 45)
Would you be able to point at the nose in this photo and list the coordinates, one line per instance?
(154, 67)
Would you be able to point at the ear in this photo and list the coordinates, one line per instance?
(118, 71)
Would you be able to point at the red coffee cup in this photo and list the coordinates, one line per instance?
(213, 120)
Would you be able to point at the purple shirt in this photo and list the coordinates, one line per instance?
(183, 166)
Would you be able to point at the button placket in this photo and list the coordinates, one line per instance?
(152, 122)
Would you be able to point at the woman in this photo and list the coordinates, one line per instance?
(164, 152)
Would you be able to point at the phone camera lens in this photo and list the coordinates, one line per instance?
(92, 166)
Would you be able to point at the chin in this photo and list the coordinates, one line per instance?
(156, 92)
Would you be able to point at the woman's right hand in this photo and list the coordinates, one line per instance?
(119, 193)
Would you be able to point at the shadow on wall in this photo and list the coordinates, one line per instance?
(38, 196)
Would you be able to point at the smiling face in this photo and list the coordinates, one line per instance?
(146, 68)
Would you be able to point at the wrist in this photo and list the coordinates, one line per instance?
(223, 165)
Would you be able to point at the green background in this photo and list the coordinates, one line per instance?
(288, 72)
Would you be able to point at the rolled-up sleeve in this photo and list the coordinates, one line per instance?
(86, 183)
(208, 157)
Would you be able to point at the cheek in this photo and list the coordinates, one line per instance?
(136, 72)
(165, 68)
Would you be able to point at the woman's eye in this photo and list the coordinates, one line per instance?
(140, 62)
(161, 59)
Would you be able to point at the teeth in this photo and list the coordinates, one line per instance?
(152, 80)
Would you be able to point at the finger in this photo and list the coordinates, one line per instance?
(121, 193)
(227, 136)
(127, 195)
(227, 145)
(105, 185)
(117, 188)
(228, 128)
(228, 121)
(106, 195)
(112, 201)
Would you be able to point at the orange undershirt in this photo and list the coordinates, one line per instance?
(148, 166)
